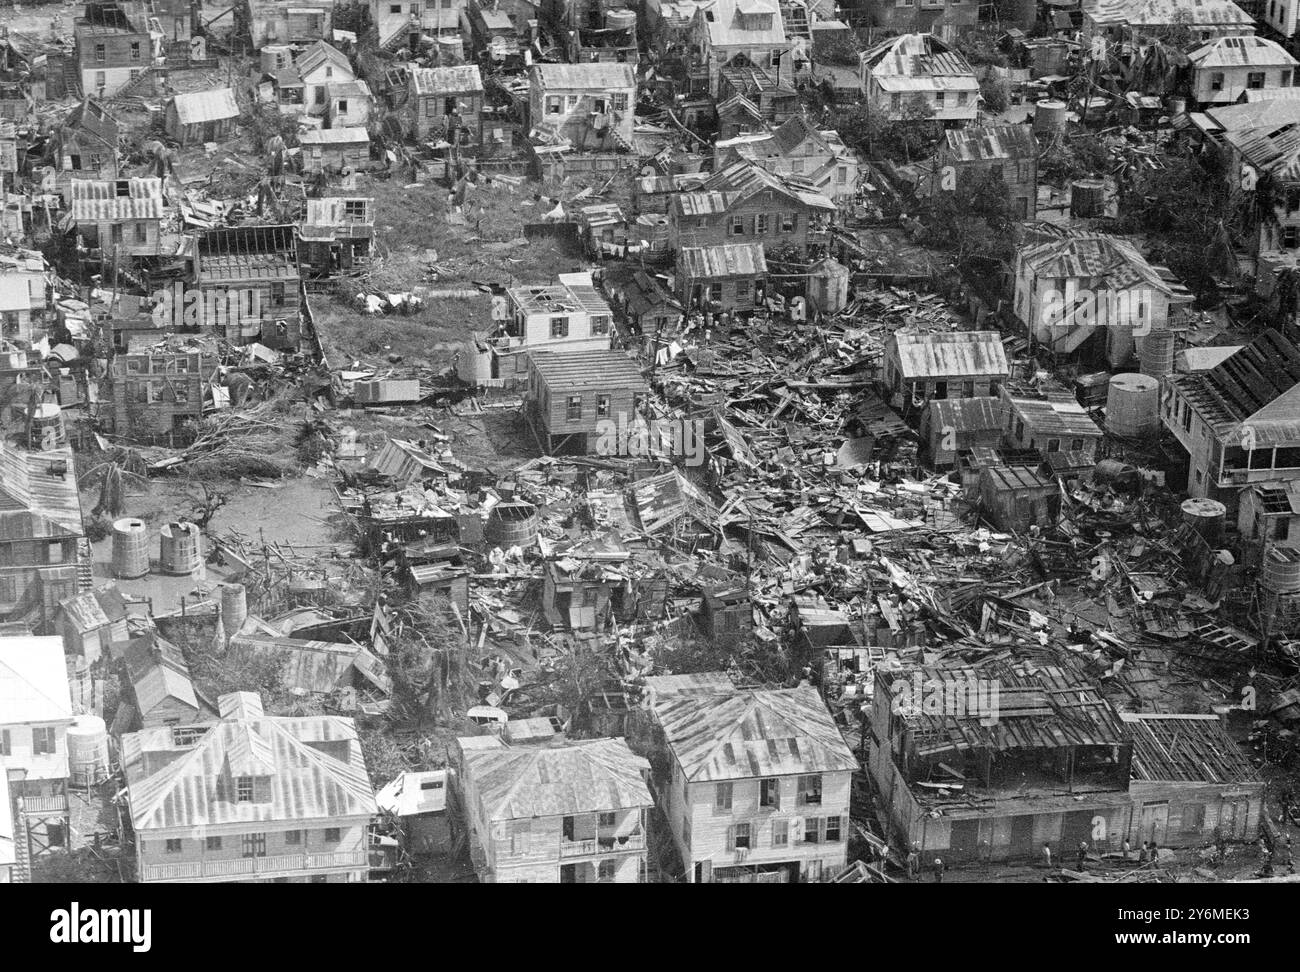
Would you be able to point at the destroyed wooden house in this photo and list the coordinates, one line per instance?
(1007, 153)
(26, 292)
(797, 149)
(157, 689)
(418, 802)
(435, 570)
(939, 365)
(158, 389)
(567, 316)
(264, 798)
(655, 193)
(85, 145)
(446, 103)
(1190, 781)
(44, 558)
(91, 622)
(112, 53)
(1239, 421)
(757, 783)
(1016, 498)
(1047, 417)
(675, 509)
(336, 236)
(574, 398)
(995, 761)
(737, 33)
(314, 668)
(571, 814)
(911, 69)
(951, 426)
(404, 462)
(648, 307)
(335, 151)
(749, 99)
(248, 277)
(289, 22)
(726, 617)
(119, 220)
(202, 116)
(582, 585)
(728, 278)
(596, 31)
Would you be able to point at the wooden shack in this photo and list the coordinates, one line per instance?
(579, 586)
(1015, 498)
(202, 116)
(335, 150)
(727, 617)
(573, 396)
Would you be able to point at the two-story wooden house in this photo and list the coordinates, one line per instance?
(727, 278)
(1225, 69)
(284, 799)
(590, 105)
(758, 780)
(921, 366)
(157, 389)
(249, 285)
(446, 103)
(119, 220)
(26, 292)
(85, 146)
(1008, 153)
(111, 51)
(336, 236)
(573, 814)
(918, 75)
(43, 556)
(569, 315)
(1262, 168)
(797, 148)
(745, 203)
(739, 33)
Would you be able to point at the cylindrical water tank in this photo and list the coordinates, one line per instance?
(620, 19)
(687, 163)
(1157, 354)
(1280, 570)
(180, 548)
(1133, 405)
(653, 228)
(1088, 198)
(234, 608)
(87, 751)
(1206, 517)
(275, 57)
(511, 525)
(1049, 117)
(48, 431)
(451, 50)
(1177, 105)
(130, 548)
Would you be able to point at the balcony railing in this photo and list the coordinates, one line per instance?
(604, 845)
(240, 868)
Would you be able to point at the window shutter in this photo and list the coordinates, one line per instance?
(731, 837)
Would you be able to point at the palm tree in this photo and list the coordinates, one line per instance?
(121, 468)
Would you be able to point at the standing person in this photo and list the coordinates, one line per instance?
(1083, 854)
(1127, 848)
(913, 862)
(1047, 856)
(938, 870)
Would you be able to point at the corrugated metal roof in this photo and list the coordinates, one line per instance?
(33, 681)
(414, 793)
(1270, 148)
(1253, 114)
(205, 106)
(702, 203)
(966, 414)
(1097, 258)
(743, 22)
(1152, 13)
(1249, 51)
(746, 734)
(93, 201)
(318, 55)
(956, 354)
(980, 144)
(461, 79)
(173, 786)
(585, 77)
(587, 777)
(914, 62)
(1174, 748)
(561, 370)
(334, 136)
(723, 260)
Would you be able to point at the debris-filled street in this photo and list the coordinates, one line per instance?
(727, 441)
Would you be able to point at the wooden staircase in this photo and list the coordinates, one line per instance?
(22, 869)
(134, 86)
(71, 76)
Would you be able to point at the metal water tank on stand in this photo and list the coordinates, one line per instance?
(180, 548)
(48, 430)
(1280, 570)
(1088, 198)
(87, 751)
(1157, 354)
(1206, 517)
(1049, 117)
(620, 19)
(451, 50)
(234, 608)
(1133, 405)
(130, 548)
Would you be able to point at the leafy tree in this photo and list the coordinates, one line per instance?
(981, 47)
(870, 131)
(995, 94)
(976, 222)
(429, 665)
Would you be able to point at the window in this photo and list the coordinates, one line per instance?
(1284, 80)
(394, 8)
(796, 166)
(769, 793)
(809, 791)
(253, 845)
(841, 175)
(606, 819)
(1053, 445)
(618, 102)
(832, 830)
(101, 79)
(573, 408)
(961, 98)
(812, 830)
(343, 106)
(742, 289)
(43, 741)
(761, 224)
(1076, 445)
(1255, 80)
(173, 845)
(141, 233)
(333, 835)
(554, 105)
(115, 232)
(6, 746)
(244, 789)
(292, 838)
(135, 50)
(895, 102)
(722, 797)
(1290, 237)
(101, 55)
(1216, 81)
(737, 225)
(277, 295)
(519, 838)
(738, 837)
(1193, 818)
(602, 406)
(559, 327)
(939, 98)
(600, 325)
(605, 872)
(54, 552)
(213, 843)
(715, 292)
(571, 101)
(789, 222)
(780, 833)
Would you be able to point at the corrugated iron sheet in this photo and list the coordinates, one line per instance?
(724, 260)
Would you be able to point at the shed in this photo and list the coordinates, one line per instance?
(335, 150)
(953, 425)
(1016, 497)
(202, 116)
